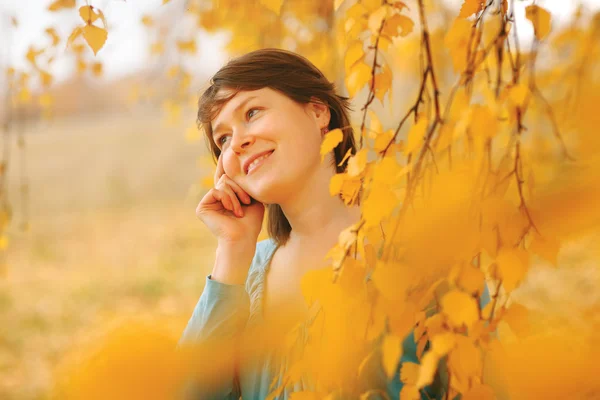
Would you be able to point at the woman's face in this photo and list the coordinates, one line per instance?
(266, 122)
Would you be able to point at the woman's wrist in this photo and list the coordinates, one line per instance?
(232, 262)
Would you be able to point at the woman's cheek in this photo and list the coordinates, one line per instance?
(230, 166)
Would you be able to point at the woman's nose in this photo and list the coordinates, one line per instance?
(240, 141)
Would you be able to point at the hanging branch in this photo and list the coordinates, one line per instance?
(371, 95)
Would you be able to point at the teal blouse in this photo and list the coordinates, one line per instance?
(225, 310)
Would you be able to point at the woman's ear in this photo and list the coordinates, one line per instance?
(321, 112)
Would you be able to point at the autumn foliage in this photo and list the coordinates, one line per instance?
(478, 160)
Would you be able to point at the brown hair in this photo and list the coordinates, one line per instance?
(292, 75)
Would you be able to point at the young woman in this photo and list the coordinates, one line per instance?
(265, 115)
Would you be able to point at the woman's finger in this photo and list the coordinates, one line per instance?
(236, 206)
(212, 197)
(241, 194)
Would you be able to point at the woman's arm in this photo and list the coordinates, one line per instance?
(220, 314)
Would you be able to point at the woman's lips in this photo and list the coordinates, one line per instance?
(256, 164)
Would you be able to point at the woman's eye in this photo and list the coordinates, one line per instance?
(250, 111)
(220, 140)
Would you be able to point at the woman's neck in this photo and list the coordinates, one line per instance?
(314, 214)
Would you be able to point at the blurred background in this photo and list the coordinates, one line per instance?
(103, 167)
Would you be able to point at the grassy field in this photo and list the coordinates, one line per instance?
(112, 234)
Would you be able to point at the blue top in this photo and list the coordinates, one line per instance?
(225, 310)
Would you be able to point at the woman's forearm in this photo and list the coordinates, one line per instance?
(232, 262)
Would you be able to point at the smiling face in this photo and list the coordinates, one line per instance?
(266, 122)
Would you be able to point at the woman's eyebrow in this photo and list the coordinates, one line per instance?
(235, 110)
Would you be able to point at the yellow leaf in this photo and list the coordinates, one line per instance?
(386, 171)
(354, 53)
(484, 123)
(518, 94)
(396, 21)
(147, 20)
(383, 83)
(24, 96)
(337, 4)
(358, 162)
(443, 343)
(409, 372)
(350, 189)
(545, 247)
(391, 281)
(78, 48)
(517, 317)
(382, 141)
(330, 142)
(371, 5)
(470, 7)
(343, 160)
(541, 20)
(487, 310)
(166, 1)
(359, 76)
(380, 204)
(273, 5)
(53, 35)
(416, 135)
(32, 55)
(375, 127)
(313, 282)
(88, 14)
(479, 392)
(335, 184)
(81, 66)
(46, 78)
(60, 4)
(513, 264)
(157, 48)
(410, 392)
(399, 5)
(457, 41)
(376, 18)
(356, 11)
(24, 78)
(460, 308)
(3, 242)
(46, 100)
(471, 279)
(391, 353)
(187, 46)
(384, 42)
(97, 69)
(173, 71)
(429, 364)
(95, 37)
(465, 362)
(185, 81)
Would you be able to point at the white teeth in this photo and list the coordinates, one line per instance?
(256, 161)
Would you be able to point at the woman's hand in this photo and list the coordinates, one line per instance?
(229, 212)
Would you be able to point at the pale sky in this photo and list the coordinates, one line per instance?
(127, 46)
